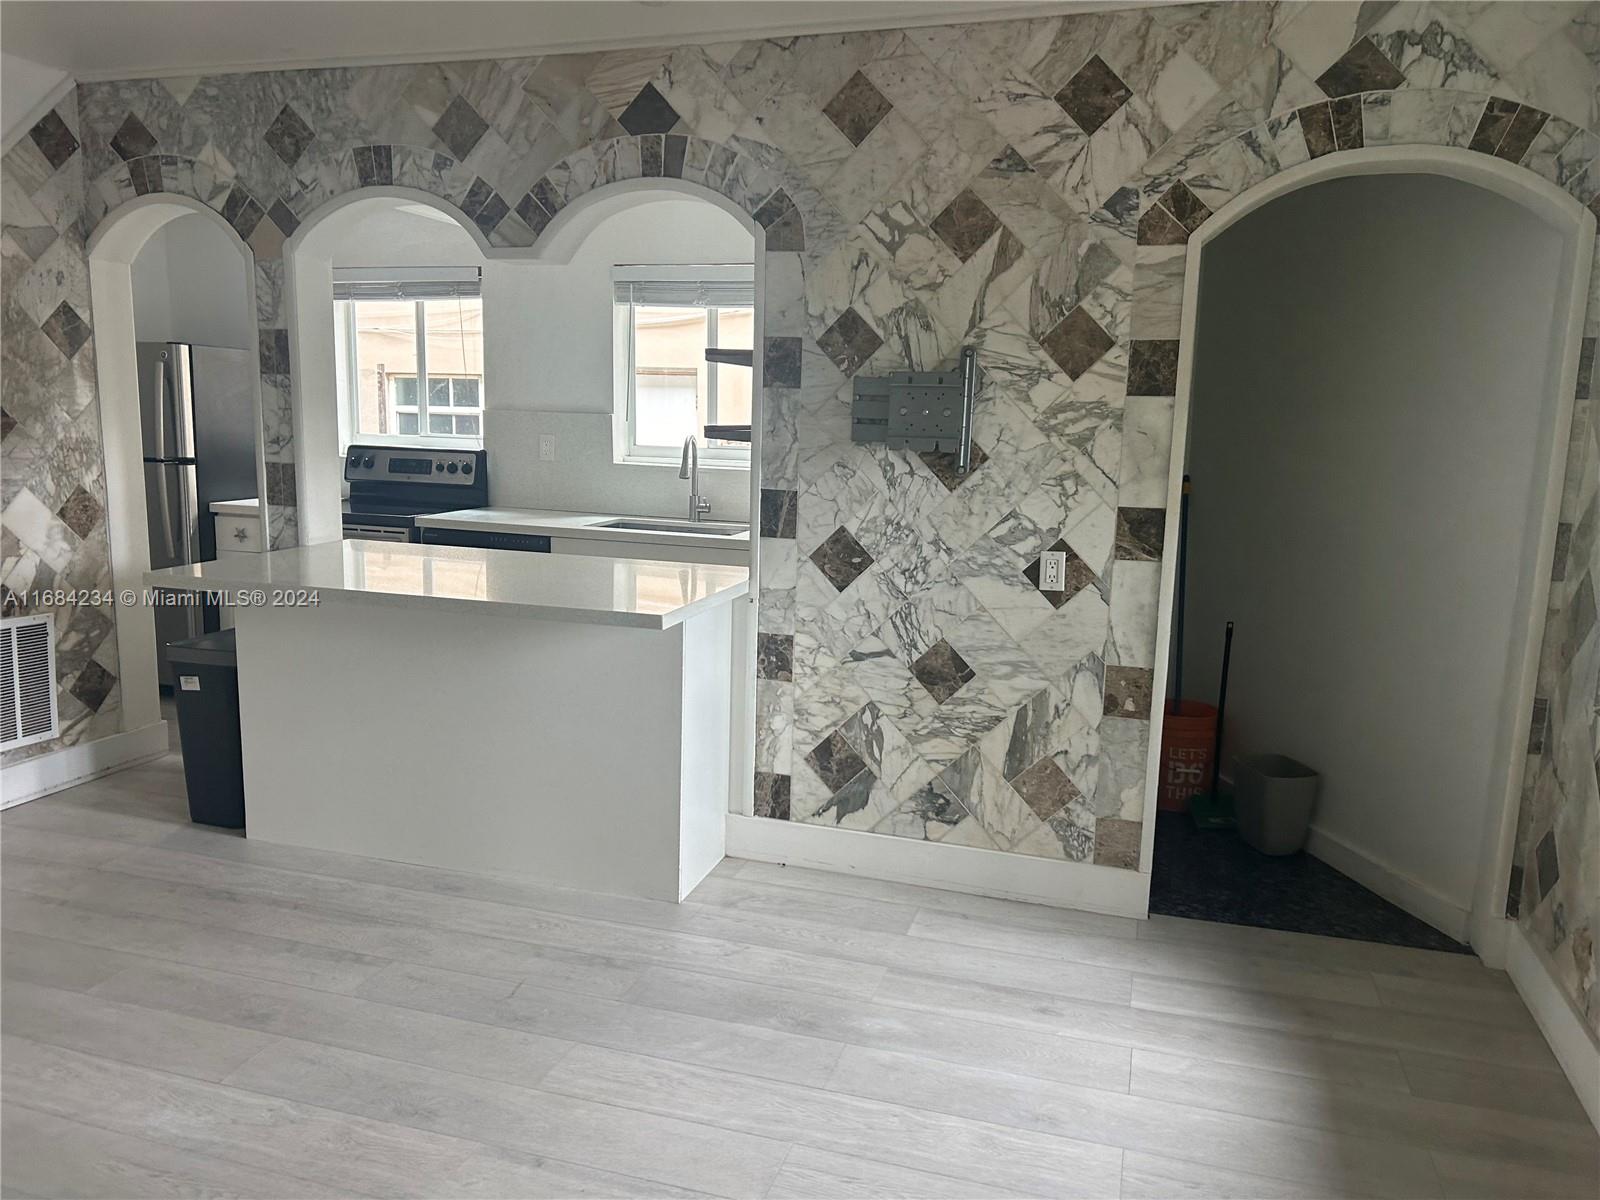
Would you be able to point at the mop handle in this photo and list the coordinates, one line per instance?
(1222, 707)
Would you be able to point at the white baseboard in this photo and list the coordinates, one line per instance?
(1398, 888)
(930, 864)
(71, 765)
(1571, 1041)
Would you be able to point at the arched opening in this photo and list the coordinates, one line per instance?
(1374, 399)
(168, 271)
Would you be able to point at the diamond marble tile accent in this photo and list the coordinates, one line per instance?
(1046, 788)
(1078, 576)
(7, 423)
(1116, 842)
(1077, 343)
(1093, 95)
(1548, 862)
(54, 139)
(782, 220)
(66, 329)
(1158, 227)
(375, 165)
(93, 685)
(1524, 127)
(772, 795)
(943, 465)
(649, 112)
(779, 510)
(133, 140)
(242, 212)
(775, 656)
(835, 761)
(460, 127)
(289, 135)
(285, 220)
(857, 108)
(1493, 124)
(841, 558)
(965, 224)
(942, 670)
(1128, 691)
(1364, 68)
(1190, 211)
(80, 512)
(1153, 368)
(780, 362)
(850, 341)
(1140, 533)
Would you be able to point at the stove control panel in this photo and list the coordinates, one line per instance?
(409, 465)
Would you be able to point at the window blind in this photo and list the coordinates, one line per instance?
(356, 283)
(687, 293)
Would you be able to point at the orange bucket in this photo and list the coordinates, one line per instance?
(1188, 740)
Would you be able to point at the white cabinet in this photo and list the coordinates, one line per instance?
(238, 535)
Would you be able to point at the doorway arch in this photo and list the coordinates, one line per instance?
(112, 250)
(1174, 360)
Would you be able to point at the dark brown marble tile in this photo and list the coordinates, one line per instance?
(775, 656)
(66, 329)
(1493, 124)
(7, 423)
(1153, 368)
(1093, 95)
(1538, 725)
(93, 685)
(1128, 692)
(283, 218)
(1345, 113)
(1078, 576)
(54, 139)
(942, 671)
(1140, 532)
(460, 127)
(533, 214)
(80, 512)
(132, 139)
(1316, 123)
(145, 175)
(849, 341)
(1558, 567)
(274, 348)
(1116, 842)
(1077, 343)
(674, 149)
(648, 112)
(1158, 227)
(548, 195)
(780, 362)
(835, 761)
(778, 512)
(1524, 127)
(943, 465)
(1046, 788)
(484, 205)
(1191, 211)
(841, 558)
(785, 226)
(289, 135)
(857, 108)
(1547, 862)
(374, 165)
(1585, 369)
(652, 155)
(1364, 68)
(965, 224)
(772, 796)
(280, 483)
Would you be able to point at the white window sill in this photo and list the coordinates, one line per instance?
(676, 463)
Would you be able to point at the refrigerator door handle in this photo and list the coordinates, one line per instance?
(182, 402)
(164, 503)
(188, 515)
(161, 407)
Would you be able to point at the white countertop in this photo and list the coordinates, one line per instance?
(588, 589)
(237, 508)
(555, 523)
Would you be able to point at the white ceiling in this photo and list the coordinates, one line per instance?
(112, 39)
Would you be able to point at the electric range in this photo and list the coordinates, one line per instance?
(391, 486)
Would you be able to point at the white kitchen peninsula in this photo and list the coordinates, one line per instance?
(562, 717)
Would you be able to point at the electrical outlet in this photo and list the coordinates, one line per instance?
(1053, 571)
(547, 447)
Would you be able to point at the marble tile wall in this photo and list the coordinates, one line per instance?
(52, 475)
(1026, 187)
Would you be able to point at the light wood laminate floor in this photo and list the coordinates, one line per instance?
(190, 1013)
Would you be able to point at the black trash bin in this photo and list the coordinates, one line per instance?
(205, 673)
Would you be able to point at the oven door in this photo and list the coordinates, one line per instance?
(377, 533)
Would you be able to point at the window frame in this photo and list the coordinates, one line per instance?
(349, 386)
(624, 355)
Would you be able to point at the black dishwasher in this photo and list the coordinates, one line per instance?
(537, 543)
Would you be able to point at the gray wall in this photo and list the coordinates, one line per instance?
(1370, 393)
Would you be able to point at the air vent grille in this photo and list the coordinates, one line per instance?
(27, 681)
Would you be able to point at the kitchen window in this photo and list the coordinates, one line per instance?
(409, 344)
(665, 318)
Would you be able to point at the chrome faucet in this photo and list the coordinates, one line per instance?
(689, 469)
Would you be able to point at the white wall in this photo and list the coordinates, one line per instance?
(1372, 389)
(189, 285)
(547, 343)
(25, 86)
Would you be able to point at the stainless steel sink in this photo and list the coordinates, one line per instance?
(656, 525)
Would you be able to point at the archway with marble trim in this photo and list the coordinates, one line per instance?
(1161, 367)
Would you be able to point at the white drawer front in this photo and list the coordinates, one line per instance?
(238, 534)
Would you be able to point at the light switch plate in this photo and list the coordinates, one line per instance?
(1052, 570)
(547, 447)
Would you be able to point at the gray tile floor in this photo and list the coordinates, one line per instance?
(189, 1013)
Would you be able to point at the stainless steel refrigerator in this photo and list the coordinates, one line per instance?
(197, 414)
